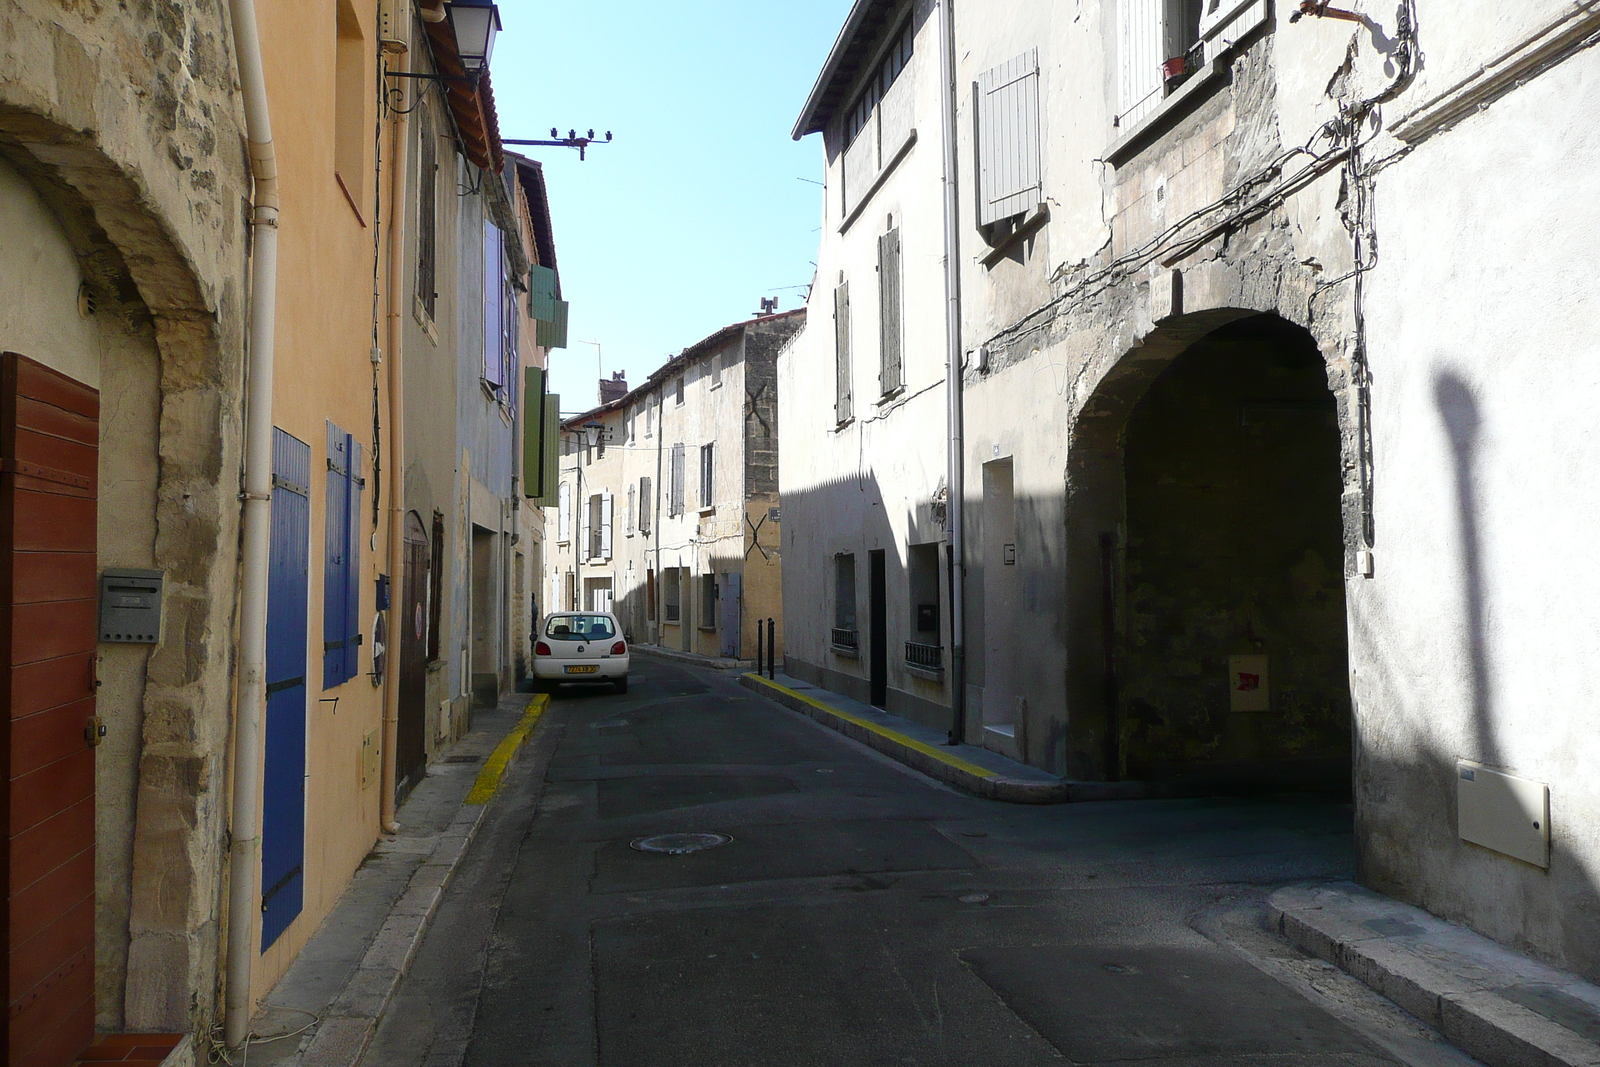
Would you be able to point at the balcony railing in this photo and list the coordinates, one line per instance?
(846, 641)
(929, 658)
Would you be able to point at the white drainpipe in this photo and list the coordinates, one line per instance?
(248, 742)
(956, 479)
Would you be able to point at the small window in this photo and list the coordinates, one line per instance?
(844, 592)
(671, 593)
(708, 475)
(708, 601)
(716, 371)
(677, 390)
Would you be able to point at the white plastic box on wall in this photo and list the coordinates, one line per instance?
(1502, 812)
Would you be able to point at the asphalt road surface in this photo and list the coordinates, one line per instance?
(862, 914)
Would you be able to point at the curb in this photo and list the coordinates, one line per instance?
(1447, 976)
(715, 663)
(352, 1019)
(942, 766)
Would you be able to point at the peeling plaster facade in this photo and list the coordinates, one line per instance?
(1420, 225)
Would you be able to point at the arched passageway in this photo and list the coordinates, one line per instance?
(1232, 657)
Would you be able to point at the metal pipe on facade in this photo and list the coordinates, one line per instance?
(397, 477)
(255, 549)
(956, 478)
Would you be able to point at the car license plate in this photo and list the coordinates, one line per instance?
(583, 670)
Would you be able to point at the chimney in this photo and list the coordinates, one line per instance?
(615, 389)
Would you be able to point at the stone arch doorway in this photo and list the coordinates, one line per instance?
(1208, 497)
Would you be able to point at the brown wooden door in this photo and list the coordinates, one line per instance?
(411, 745)
(49, 439)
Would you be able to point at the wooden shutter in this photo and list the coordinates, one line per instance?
(352, 574)
(436, 586)
(564, 513)
(676, 508)
(542, 293)
(632, 503)
(606, 509)
(1139, 48)
(493, 307)
(336, 526)
(585, 549)
(842, 407)
(427, 213)
(1008, 139)
(708, 475)
(647, 507)
(890, 374)
(49, 441)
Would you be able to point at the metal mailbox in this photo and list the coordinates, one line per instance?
(130, 607)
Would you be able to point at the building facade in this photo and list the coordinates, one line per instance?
(667, 509)
(1245, 425)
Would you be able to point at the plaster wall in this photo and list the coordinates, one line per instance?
(124, 125)
(1472, 640)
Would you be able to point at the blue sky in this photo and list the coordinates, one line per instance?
(695, 211)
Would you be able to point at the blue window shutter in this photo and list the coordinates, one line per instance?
(493, 307)
(352, 574)
(336, 559)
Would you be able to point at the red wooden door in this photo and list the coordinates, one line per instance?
(49, 438)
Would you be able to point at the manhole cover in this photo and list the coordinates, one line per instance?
(679, 844)
(974, 898)
(462, 759)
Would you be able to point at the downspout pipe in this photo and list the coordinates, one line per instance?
(248, 741)
(955, 555)
(397, 445)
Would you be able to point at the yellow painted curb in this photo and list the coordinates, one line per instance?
(883, 731)
(494, 769)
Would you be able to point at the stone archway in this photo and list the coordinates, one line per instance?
(1205, 489)
(160, 280)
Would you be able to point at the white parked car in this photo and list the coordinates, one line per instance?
(581, 646)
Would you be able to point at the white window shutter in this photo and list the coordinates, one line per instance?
(1141, 31)
(585, 549)
(566, 511)
(1008, 139)
(843, 407)
(605, 525)
(631, 491)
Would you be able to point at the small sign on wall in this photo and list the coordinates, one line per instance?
(1247, 684)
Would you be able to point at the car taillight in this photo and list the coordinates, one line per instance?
(619, 649)
(542, 649)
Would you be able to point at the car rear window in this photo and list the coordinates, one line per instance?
(579, 628)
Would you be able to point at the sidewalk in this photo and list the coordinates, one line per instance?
(324, 1010)
(1491, 1002)
(966, 767)
(719, 663)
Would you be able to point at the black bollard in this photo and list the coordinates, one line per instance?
(772, 649)
(760, 648)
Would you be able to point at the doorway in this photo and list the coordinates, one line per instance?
(49, 442)
(411, 739)
(1233, 663)
(485, 620)
(878, 628)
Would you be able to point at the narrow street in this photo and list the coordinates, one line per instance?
(862, 914)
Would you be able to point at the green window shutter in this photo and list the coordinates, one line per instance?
(542, 298)
(553, 333)
(550, 454)
(532, 431)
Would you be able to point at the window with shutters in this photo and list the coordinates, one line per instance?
(675, 499)
(878, 128)
(890, 373)
(647, 505)
(499, 344)
(842, 407)
(1160, 45)
(592, 527)
(427, 297)
(708, 475)
(341, 575)
(671, 593)
(708, 601)
(1008, 139)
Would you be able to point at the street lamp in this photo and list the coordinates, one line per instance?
(476, 23)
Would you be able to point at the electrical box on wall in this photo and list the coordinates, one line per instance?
(1247, 684)
(394, 25)
(1502, 812)
(130, 607)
